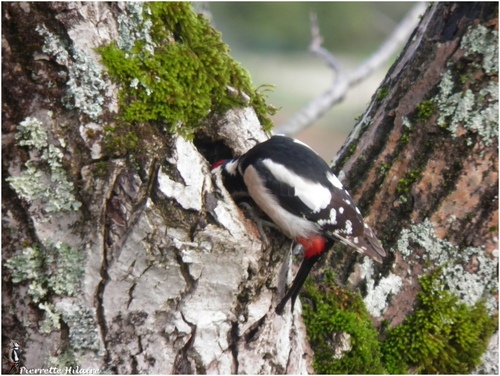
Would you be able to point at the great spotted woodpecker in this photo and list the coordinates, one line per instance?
(296, 189)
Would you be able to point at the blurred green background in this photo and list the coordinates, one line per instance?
(271, 40)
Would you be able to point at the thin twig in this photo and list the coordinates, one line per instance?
(343, 82)
(316, 48)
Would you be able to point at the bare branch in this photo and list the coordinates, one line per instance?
(343, 81)
(317, 49)
(316, 38)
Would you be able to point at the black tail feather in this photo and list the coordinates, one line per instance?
(297, 283)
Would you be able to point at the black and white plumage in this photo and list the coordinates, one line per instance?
(296, 189)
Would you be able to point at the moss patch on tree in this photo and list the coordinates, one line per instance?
(443, 335)
(331, 311)
(426, 109)
(174, 70)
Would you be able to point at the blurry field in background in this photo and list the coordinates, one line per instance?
(271, 40)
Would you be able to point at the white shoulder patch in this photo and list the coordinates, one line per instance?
(334, 180)
(314, 195)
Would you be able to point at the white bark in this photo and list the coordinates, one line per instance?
(175, 277)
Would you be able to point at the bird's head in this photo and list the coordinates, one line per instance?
(218, 164)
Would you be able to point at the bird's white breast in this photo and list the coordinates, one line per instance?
(291, 225)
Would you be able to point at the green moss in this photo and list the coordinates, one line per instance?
(441, 336)
(178, 74)
(404, 184)
(352, 148)
(382, 93)
(331, 311)
(426, 109)
(384, 169)
(100, 169)
(121, 137)
(349, 152)
(404, 139)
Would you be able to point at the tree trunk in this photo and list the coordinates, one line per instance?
(137, 261)
(422, 164)
(131, 261)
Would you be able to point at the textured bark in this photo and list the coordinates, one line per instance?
(174, 278)
(417, 156)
